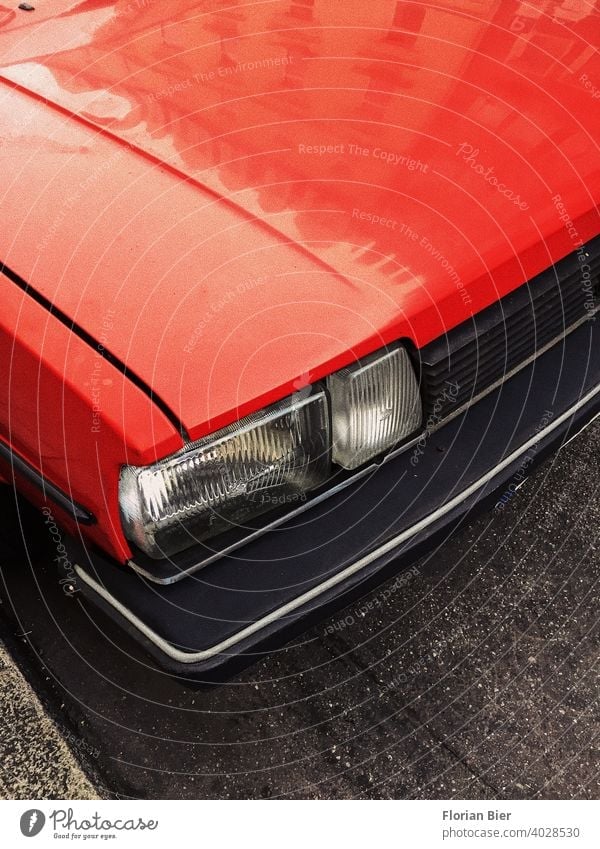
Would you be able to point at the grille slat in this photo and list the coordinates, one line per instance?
(479, 352)
(525, 333)
(528, 331)
(551, 307)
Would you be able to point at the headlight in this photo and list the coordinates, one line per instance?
(272, 457)
(227, 478)
(375, 404)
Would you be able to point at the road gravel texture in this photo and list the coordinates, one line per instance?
(35, 757)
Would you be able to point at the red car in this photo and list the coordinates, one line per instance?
(288, 289)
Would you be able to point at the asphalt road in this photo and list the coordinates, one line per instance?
(478, 678)
(35, 752)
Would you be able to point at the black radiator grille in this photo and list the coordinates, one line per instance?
(482, 350)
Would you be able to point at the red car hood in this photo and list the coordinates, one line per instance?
(235, 199)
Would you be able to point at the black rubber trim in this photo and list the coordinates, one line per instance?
(98, 348)
(50, 490)
(191, 560)
(380, 522)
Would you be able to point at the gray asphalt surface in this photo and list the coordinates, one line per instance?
(477, 679)
(35, 754)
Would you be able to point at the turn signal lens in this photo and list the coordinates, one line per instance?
(375, 404)
(267, 459)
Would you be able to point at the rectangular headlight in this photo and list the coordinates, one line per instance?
(375, 403)
(269, 458)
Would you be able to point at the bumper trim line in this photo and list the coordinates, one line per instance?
(188, 657)
(406, 445)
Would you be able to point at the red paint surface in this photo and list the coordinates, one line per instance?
(72, 416)
(159, 173)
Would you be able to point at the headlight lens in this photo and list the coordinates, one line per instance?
(269, 458)
(375, 404)
(272, 457)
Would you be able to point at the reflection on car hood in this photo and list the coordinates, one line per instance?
(261, 189)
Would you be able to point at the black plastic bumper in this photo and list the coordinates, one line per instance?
(273, 587)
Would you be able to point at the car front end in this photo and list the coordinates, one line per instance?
(282, 308)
